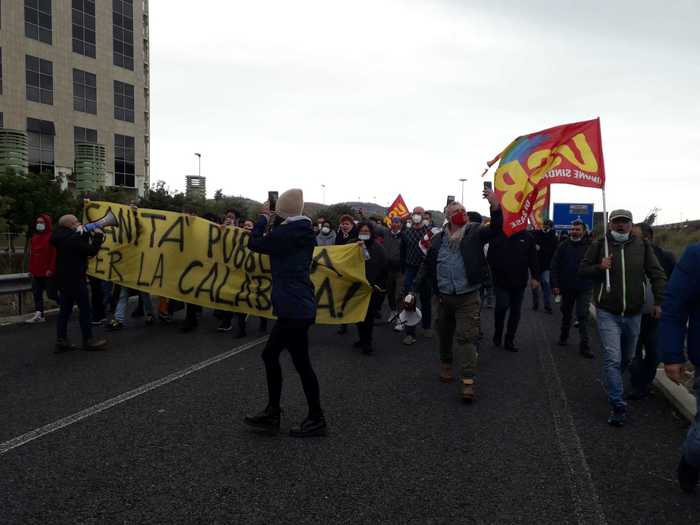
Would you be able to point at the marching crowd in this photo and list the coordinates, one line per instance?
(440, 277)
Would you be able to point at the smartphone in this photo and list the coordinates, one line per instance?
(272, 199)
(488, 185)
(450, 199)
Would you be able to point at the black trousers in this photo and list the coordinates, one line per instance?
(646, 358)
(366, 327)
(508, 301)
(292, 334)
(76, 295)
(582, 301)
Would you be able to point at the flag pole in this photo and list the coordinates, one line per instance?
(605, 236)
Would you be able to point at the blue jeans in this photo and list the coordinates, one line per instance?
(546, 291)
(425, 297)
(691, 448)
(120, 310)
(618, 337)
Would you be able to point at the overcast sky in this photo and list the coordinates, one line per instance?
(373, 98)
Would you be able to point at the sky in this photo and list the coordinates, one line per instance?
(375, 98)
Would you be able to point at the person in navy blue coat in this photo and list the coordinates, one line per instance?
(290, 244)
(680, 316)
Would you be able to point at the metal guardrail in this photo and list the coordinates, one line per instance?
(16, 283)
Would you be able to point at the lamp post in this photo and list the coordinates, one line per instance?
(462, 181)
(199, 161)
(323, 189)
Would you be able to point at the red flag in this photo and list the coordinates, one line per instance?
(397, 209)
(538, 209)
(568, 154)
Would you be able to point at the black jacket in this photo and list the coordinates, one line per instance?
(547, 242)
(392, 245)
(666, 259)
(565, 265)
(472, 248)
(377, 266)
(511, 258)
(341, 240)
(72, 251)
(290, 247)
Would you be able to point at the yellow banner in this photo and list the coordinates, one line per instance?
(195, 261)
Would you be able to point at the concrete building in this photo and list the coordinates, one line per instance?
(77, 72)
(196, 187)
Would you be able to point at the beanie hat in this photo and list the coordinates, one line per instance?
(290, 203)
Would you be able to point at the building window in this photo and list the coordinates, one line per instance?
(0, 71)
(2, 121)
(123, 31)
(124, 174)
(40, 135)
(84, 27)
(84, 92)
(82, 135)
(37, 20)
(39, 80)
(123, 101)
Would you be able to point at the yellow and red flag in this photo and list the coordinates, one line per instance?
(397, 209)
(539, 207)
(568, 154)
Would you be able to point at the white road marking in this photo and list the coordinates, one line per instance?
(122, 398)
(587, 507)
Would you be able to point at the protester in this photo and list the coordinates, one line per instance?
(411, 260)
(347, 233)
(454, 264)
(619, 309)
(326, 237)
(392, 246)
(100, 299)
(680, 315)
(486, 290)
(428, 220)
(646, 360)
(73, 247)
(573, 289)
(231, 218)
(546, 244)
(290, 244)
(510, 259)
(376, 270)
(42, 266)
(120, 311)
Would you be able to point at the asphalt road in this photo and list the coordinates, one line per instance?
(534, 447)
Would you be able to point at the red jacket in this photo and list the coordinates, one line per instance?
(42, 257)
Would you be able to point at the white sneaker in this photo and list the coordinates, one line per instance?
(37, 318)
(398, 327)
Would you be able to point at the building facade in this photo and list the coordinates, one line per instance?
(196, 187)
(76, 72)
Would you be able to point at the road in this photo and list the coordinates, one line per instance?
(534, 448)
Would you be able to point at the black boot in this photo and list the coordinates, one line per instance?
(585, 351)
(310, 427)
(688, 476)
(63, 345)
(268, 420)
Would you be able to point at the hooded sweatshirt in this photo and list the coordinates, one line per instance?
(42, 257)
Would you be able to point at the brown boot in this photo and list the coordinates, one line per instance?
(468, 386)
(445, 373)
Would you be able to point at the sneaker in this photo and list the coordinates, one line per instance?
(164, 318)
(409, 340)
(38, 317)
(99, 322)
(63, 345)
(310, 428)
(617, 418)
(225, 326)
(688, 476)
(114, 326)
(95, 344)
(149, 319)
(398, 327)
(267, 421)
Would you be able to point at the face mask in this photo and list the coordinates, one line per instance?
(364, 236)
(417, 219)
(575, 239)
(40, 227)
(325, 230)
(426, 222)
(620, 237)
(459, 218)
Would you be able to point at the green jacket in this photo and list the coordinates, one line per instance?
(632, 262)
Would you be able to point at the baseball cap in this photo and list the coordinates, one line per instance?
(621, 214)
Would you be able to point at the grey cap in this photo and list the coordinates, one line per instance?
(621, 214)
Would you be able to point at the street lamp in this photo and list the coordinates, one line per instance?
(199, 159)
(323, 189)
(462, 181)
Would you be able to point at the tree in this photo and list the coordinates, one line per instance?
(218, 194)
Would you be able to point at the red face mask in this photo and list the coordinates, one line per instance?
(459, 218)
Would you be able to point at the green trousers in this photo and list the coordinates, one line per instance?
(457, 323)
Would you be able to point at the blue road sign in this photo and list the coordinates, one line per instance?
(566, 213)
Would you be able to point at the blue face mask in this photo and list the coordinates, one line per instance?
(620, 237)
(364, 236)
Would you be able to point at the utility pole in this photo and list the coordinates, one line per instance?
(323, 189)
(462, 181)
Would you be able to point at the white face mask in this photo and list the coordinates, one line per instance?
(575, 239)
(40, 227)
(325, 230)
(426, 222)
(620, 237)
(417, 219)
(364, 236)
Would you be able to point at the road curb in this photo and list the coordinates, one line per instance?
(678, 395)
